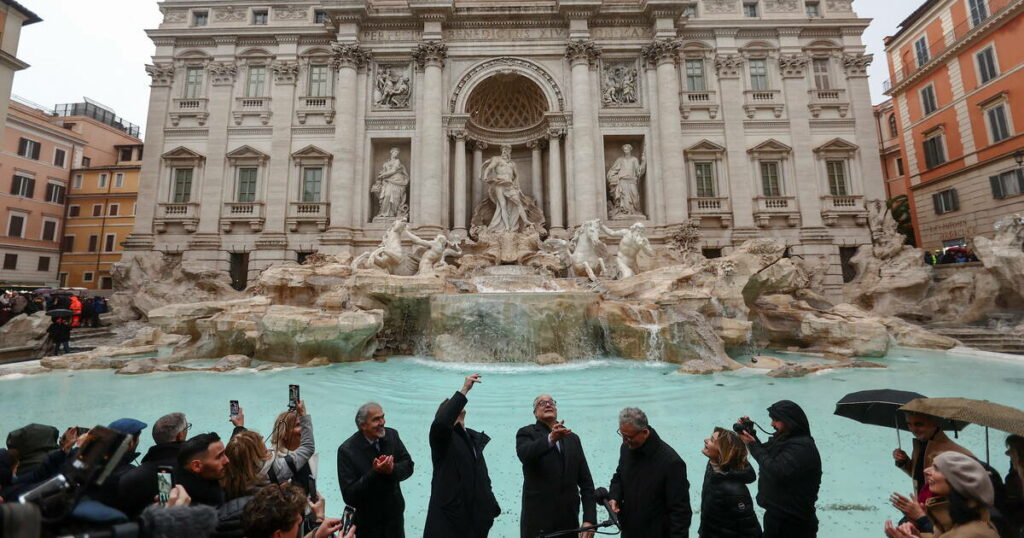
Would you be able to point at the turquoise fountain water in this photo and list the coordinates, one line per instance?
(859, 474)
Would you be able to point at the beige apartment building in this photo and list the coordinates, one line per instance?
(13, 16)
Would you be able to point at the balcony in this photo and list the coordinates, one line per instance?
(310, 106)
(834, 207)
(767, 207)
(189, 108)
(712, 208)
(185, 215)
(251, 106)
(706, 100)
(819, 100)
(317, 213)
(250, 213)
(755, 100)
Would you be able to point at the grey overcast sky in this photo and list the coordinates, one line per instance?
(81, 51)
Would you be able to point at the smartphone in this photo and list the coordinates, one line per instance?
(164, 483)
(234, 408)
(293, 396)
(347, 519)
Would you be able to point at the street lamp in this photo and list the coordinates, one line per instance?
(1019, 157)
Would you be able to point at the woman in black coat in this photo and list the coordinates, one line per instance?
(726, 510)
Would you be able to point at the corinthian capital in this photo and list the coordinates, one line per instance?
(429, 53)
(660, 51)
(793, 65)
(728, 65)
(856, 65)
(222, 73)
(285, 72)
(162, 74)
(582, 50)
(349, 55)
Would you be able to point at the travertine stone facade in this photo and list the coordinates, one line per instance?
(752, 125)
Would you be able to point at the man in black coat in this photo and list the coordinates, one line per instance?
(556, 476)
(201, 463)
(372, 464)
(790, 473)
(462, 504)
(649, 491)
(138, 488)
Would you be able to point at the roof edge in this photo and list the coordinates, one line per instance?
(30, 17)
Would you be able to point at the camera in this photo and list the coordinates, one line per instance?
(744, 425)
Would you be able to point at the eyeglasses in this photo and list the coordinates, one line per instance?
(545, 403)
(629, 437)
(188, 426)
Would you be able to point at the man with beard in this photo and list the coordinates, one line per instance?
(372, 464)
(556, 477)
(649, 491)
(462, 504)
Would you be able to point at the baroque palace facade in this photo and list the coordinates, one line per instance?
(275, 131)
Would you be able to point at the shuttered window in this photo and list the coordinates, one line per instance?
(946, 201)
(1009, 183)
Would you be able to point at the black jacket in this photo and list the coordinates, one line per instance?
(60, 332)
(377, 498)
(790, 466)
(652, 491)
(201, 491)
(137, 488)
(726, 510)
(462, 504)
(554, 482)
(107, 493)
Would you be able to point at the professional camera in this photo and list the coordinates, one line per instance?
(744, 425)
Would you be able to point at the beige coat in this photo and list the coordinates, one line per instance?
(938, 512)
(940, 443)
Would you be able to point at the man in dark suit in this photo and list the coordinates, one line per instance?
(462, 504)
(556, 477)
(371, 467)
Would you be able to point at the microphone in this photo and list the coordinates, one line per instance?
(601, 496)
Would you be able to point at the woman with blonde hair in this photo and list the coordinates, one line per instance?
(726, 509)
(293, 446)
(249, 460)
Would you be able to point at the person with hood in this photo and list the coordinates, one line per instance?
(556, 476)
(138, 488)
(790, 473)
(75, 305)
(962, 495)
(30, 444)
(726, 510)
(462, 504)
(649, 491)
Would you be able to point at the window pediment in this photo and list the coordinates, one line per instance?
(836, 147)
(248, 153)
(704, 149)
(770, 148)
(312, 155)
(182, 155)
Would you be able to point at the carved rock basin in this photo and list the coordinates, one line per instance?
(513, 327)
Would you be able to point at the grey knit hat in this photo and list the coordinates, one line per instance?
(966, 476)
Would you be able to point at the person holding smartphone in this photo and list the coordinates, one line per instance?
(372, 464)
(138, 487)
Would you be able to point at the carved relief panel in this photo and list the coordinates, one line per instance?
(620, 83)
(392, 86)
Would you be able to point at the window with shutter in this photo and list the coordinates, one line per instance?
(15, 225)
(94, 241)
(49, 230)
(997, 187)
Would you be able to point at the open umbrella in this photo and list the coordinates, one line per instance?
(980, 412)
(60, 313)
(881, 407)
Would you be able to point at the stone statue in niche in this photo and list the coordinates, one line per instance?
(631, 243)
(506, 208)
(393, 87)
(624, 185)
(434, 252)
(391, 187)
(620, 84)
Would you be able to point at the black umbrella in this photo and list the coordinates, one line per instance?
(60, 313)
(880, 407)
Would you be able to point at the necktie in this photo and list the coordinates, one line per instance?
(376, 445)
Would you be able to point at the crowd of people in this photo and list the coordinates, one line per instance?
(262, 488)
(949, 255)
(84, 311)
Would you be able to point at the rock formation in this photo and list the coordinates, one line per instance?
(144, 281)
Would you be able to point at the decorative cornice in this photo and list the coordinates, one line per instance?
(430, 53)
(793, 65)
(661, 51)
(162, 74)
(728, 65)
(856, 65)
(222, 73)
(582, 51)
(349, 55)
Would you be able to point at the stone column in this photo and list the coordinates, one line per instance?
(741, 184)
(856, 68)
(582, 54)
(537, 173)
(557, 223)
(209, 196)
(430, 56)
(664, 53)
(461, 193)
(141, 237)
(348, 58)
(275, 193)
(806, 184)
(478, 163)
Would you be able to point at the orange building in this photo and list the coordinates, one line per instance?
(12, 17)
(890, 150)
(957, 75)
